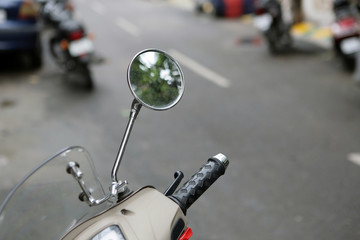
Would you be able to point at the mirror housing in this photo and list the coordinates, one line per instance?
(155, 79)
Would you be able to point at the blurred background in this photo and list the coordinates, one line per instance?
(286, 115)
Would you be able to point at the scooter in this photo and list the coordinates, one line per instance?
(46, 204)
(73, 50)
(346, 31)
(268, 19)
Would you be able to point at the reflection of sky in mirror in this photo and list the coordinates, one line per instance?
(149, 59)
(165, 75)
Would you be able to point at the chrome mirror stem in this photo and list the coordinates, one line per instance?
(135, 109)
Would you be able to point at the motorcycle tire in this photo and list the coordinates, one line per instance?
(79, 76)
(348, 63)
(87, 77)
(272, 43)
(278, 39)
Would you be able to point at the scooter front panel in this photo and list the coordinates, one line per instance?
(146, 215)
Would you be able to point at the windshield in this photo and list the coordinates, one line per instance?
(45, 204)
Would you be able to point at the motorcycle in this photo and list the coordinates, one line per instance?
(70, 45)
(73, 49)
(268, 19)
(46, 203)
(345, 31)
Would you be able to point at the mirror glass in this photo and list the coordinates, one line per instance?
(155, 79)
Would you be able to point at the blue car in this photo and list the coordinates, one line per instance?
(20, 29)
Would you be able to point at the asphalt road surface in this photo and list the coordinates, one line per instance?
(289, 124)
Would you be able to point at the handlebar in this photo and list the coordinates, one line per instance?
(200, 181)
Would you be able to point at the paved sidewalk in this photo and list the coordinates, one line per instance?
(319, 35)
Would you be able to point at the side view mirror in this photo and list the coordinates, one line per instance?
(155, 79)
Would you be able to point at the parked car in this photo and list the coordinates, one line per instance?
(225, 8)
(20, 28)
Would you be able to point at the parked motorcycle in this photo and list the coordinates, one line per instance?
(269, 21)
(345, 31)
(70, 45)
(45, 204)
(73, 49)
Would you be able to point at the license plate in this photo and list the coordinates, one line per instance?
(80, 47)
(350, 45)
(2, 15)
(263, 22)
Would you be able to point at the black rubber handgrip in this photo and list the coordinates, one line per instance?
(200, 182)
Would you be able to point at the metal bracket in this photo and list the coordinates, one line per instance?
(73, 168)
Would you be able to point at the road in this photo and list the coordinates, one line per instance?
(289, 124)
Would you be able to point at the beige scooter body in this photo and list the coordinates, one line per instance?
(145, 215)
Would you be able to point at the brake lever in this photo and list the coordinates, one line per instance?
(171, 189)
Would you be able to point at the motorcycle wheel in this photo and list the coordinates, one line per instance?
(78, 75)
(278, 39)
(85, 72)
(272, 42)
(273, 36)
(348, 63)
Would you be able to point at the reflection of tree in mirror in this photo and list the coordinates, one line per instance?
(155, 79)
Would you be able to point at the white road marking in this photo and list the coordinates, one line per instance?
(128, 27)
(200, 69)
(354, 158)
(98, 8)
